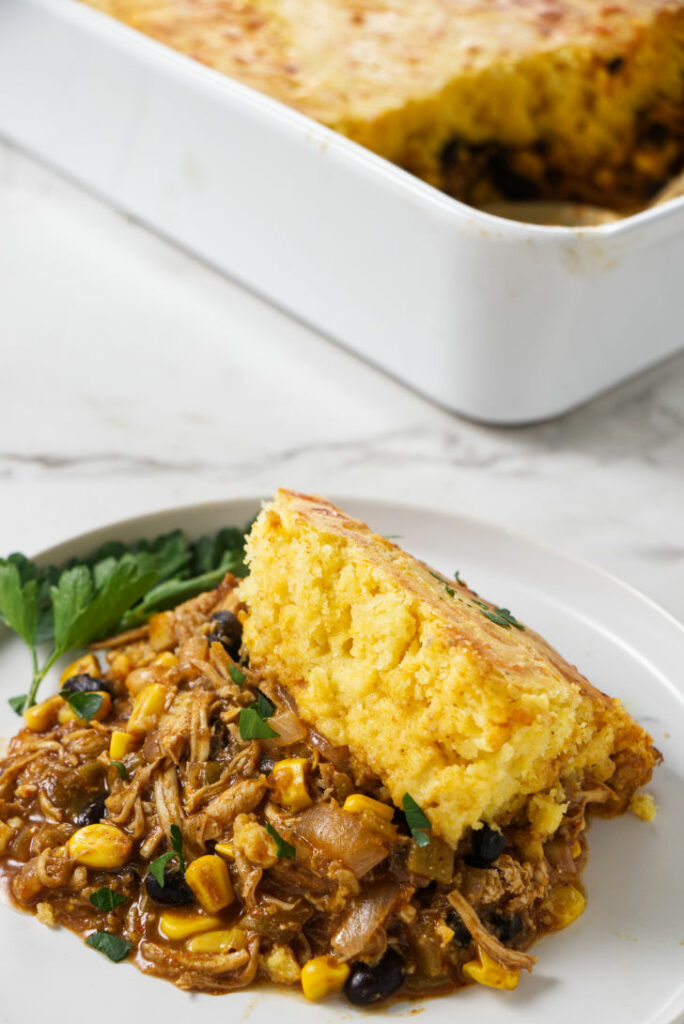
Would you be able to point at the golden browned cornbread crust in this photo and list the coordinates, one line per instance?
(405, 668)
(567, 98)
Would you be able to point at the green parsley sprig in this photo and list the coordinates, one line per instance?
(283, 848)
(417, 821)
(252, 721)
(118, 586)
(158, 866)
(112, 946)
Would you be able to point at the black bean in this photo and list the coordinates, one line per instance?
(399, 820)
(266, 764)
(175, 891)
(462, 936)
(84, 683)
(227, 630)
(505, 926)
(366, 984)
(92, 812)
(487, 844)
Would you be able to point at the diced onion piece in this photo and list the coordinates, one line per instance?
(290, 729)
(340, 836)
(366, 914)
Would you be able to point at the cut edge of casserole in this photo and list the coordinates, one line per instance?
(562, 99)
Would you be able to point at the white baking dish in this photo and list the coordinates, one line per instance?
(497, 320)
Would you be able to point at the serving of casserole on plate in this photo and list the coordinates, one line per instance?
(348, 772)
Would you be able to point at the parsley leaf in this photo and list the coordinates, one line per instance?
(18, 601)
(263, 706)
(253, 727)
(417, 821)
(87, 607)
(120, 767)
(86, 705)
(18, 704)
(177, 844)
(158, 866)
(106, 899)
(283, 848)
(111, 945)
(501, 616)
(236, 674)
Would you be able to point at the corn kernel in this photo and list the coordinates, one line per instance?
(322, 976)
(87, 665)
(66, 714)
(486, 971)
(357, 803)
(100, 846)
(564, 904)
(288, 781)
(119, 666)
(166, 660)
(43, 716)
(162, 631)
(218, 941)
(209, 880)
(147, 708)
(177, 924)
(576, 849)
(226, 850)
(119, 744)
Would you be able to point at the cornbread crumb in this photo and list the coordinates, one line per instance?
(643, 806)
(46, 914)
(280, 965)
(417, 676)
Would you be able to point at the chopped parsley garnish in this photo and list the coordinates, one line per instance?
(111, 945)
(86, 705)
(457, 575)
(117, 587)
(450, 590)
(501, 616)
(253, 727)
(252, 721)
(158, 866)
(120, 767)
(283, 848)
(236, 674)
(18, 704)
(417, 821)
(106, 899)
(263, 706)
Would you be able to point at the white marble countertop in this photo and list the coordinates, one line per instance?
(135, 378)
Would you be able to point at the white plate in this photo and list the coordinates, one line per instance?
(624, 959)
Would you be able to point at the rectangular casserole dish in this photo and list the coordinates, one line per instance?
(500, 321)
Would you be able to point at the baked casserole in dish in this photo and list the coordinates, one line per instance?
(345, 772)
(486, 99)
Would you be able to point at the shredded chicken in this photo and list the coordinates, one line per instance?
(510, 958)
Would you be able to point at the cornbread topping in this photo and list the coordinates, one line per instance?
(347, 773)
(564, 99)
